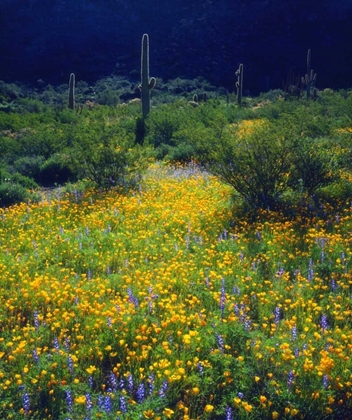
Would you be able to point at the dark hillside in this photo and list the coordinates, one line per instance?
(48, 39)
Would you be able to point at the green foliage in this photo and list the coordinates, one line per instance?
(12, 193)
(105, 157)
(314, 165)
(257, 166)
(29, 166)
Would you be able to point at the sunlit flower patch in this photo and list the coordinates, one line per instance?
(161, 304)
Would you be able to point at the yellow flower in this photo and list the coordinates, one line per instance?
(91, 369)
(149, 414)
(208, 408)
(168, 413)
(195, 390)
(81, 399)
(274, 415)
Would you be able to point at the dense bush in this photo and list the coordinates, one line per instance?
(12, 193)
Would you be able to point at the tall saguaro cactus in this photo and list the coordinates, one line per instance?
(71, 91)
(146, 84)
(310, 78)
(239, 84)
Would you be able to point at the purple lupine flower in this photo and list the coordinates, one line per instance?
(277, 315)
(107, 404)
(89, 275)
(247, 324)
(324, 322)
(151, 384)
(130, 383)
(108, 271)
(141, 393)
(67, 344)
(90, 382)
(26, 402)
(121, 383)
(220, 341)
(258, 236)
(56, 344)
(294, 333)
(89, 403)
(113, 381)
(163, 389)
(240, 395)
(35, 356)
(36, 320)
(100, 401)
(280, 272)
(296, 352)
(236, 290)
(333, 285)
(69, 400)
(325, 381)
(133, 299)
(222, 298)
(342, 258)
(123, 404)
(229, 415)
(70, 364)
(200, 368)
(290, 378)
(109, 322)
(310, 274)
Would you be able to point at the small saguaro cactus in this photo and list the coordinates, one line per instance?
(239, 84)
(71, 91)
(310, 78)
(146, 84)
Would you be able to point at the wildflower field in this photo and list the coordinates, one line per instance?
(162, 303)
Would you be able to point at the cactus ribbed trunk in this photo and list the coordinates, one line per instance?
(239, 84)
(71, 91)
(146, 83)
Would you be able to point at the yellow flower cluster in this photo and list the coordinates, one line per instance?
(164, 283)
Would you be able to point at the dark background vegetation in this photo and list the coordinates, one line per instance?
(49, 39)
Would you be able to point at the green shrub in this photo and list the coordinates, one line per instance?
(11, 193)
(24, 181)
(54, 171)
(257, 166)
(314, 166)
(29, 166)
(106, 157)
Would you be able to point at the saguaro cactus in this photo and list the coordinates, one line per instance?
(146, 84)
(310, 78)
(239, 84)
(71, 91)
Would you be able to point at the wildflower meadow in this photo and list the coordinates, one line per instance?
(161, 303)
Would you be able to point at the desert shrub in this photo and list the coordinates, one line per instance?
(313, 164)
(29, 166)
(257, 165)
(163, 123)
(106, 158)
(24, 181)
(53, 171)
(108, 97)
(12, 193)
